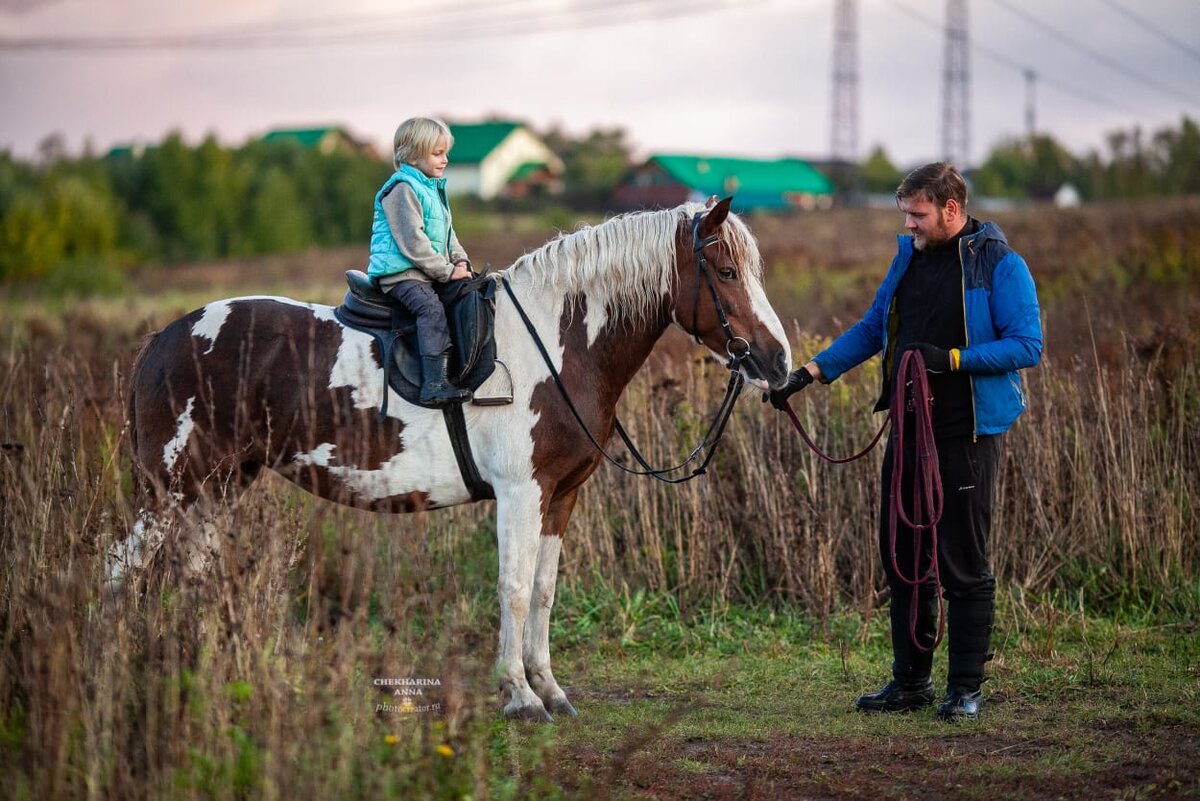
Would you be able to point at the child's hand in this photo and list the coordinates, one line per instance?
(461, 271)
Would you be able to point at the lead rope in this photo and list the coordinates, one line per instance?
(927, 496)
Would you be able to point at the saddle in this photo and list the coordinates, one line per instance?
(470, 316)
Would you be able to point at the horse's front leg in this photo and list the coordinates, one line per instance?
(537, 627)
(518, 525)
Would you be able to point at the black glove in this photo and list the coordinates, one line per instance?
(798, 380)
(937, 360)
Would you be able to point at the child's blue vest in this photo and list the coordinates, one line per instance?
(386, 257)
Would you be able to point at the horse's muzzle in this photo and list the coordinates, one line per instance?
(766, 368)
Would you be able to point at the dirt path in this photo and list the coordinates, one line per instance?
(1155, 763)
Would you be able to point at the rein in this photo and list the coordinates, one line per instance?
(716, 427)
(927, 495)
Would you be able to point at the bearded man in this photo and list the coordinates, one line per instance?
(961, 296)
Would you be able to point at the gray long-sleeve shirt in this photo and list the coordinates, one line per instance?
(405, 218)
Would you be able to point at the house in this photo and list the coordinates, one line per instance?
(1067, 196)
(501, 159)
(756, 184)
(133, 150)
(325, 140)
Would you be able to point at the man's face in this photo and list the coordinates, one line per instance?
(929, 224)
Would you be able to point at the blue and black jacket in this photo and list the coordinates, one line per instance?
(1003, 326)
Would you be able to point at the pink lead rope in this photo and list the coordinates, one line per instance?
(927, 496)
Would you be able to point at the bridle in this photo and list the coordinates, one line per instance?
(703, 271)
(716, 426)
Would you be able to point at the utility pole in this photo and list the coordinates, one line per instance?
(956, 87)
(1030, 105)
(844, 128)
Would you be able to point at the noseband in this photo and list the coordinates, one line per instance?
(716, 426)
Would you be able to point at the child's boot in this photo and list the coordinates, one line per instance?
(436, 389)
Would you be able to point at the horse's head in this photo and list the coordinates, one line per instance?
(719, 298)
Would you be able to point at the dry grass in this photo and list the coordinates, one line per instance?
(257, 679)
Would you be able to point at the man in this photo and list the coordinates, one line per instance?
(961, 296)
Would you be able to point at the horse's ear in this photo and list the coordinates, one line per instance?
(712, 221)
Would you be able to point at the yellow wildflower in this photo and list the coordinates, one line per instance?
(445, 750)
(391, 739)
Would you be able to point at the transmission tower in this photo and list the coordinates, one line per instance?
(844, 142)
(956, 87)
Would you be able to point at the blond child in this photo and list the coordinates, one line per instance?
(413, 245)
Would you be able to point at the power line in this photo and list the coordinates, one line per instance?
(1154, 29)
(1000, 58)
(1111, 63)
(371, 28)
(341, 24)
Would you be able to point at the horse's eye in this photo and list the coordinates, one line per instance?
(727, 273)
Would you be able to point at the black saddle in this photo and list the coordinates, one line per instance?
(470, 315)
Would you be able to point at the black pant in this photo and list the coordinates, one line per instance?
(968, 470)
(433, 336)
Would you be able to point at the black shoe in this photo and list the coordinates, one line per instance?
(436, 389)
(960, 705)
(897, 697)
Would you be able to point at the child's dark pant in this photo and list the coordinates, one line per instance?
(433, 337)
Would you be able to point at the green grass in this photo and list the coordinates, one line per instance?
(1092, 702)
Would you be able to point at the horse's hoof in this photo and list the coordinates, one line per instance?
(561, 706)
(537, 714)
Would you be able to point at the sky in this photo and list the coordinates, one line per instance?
(719, 77)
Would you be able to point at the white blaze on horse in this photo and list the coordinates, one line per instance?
(247, 383)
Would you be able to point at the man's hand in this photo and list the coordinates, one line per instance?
(937, 360)
(461, 270)
(798, 380)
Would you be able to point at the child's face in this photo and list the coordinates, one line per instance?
(433, 164)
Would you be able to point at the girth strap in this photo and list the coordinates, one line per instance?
(456, 425)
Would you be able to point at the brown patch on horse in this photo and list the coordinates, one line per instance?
(556, 514)
(563, 456)
(269, 421)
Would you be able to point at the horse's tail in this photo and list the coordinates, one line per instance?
(139, 471)
(126, 551)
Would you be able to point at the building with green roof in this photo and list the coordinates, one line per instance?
(500, 159)
(667, 180)
(325, 140)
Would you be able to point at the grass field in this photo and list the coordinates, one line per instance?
(713, 637)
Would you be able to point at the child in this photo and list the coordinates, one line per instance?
(413, 245)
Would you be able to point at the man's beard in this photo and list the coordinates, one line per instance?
(932, 239)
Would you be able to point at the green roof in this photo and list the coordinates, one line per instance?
(305, 137)
(757, 183)
(133, 151)
(473, 142)
(525, 170)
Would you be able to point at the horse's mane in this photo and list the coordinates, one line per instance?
(626, 261)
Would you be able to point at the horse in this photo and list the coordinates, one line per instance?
(252, 382)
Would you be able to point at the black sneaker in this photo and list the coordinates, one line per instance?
(897, 697)
(960, 705)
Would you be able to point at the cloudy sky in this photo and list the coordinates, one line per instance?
(744, 77)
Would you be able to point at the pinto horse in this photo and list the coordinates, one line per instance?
(250, 382)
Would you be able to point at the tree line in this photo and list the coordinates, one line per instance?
(177, 202)
(1136, 164)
